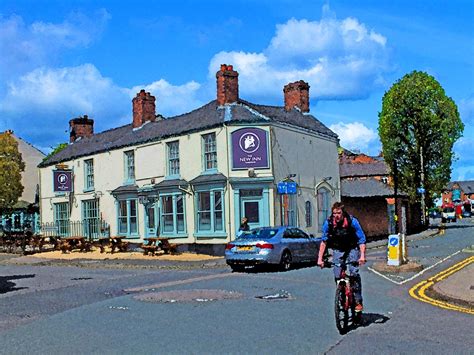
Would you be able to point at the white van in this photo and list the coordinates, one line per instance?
(448, 214)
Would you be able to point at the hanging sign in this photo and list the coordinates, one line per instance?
(62, 180)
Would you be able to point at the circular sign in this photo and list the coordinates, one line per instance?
(249, 142)
(62, 179)
(393, 242)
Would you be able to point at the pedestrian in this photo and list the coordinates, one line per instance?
(343, 234)
(244, 226)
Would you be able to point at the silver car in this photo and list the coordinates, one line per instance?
(282, 246)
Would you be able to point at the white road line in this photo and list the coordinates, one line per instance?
(416, 275)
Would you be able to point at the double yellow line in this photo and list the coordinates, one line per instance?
(418, 291)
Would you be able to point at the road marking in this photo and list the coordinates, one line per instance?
(418, 291)
(178, 282)
(416, 275)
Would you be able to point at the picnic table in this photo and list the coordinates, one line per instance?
(70, 243)
(115, 243)
(153, 244)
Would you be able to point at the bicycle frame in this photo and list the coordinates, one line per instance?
(344, 282)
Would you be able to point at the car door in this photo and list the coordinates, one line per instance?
(296, 244)
(309, 246)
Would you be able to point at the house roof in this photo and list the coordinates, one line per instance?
(205, 117)
(365, 188)
(377, 168)
(466, 186)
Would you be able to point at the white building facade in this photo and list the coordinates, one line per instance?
(193, 177)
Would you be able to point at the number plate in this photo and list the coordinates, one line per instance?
(245, 248)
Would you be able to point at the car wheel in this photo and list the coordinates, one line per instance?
(285, 262)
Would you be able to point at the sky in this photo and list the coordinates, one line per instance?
(64, 59)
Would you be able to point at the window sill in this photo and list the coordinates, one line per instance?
(91, 189)
(172, 235)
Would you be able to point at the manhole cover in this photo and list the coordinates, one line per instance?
(188, 296)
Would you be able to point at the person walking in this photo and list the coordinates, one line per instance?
(343, 234)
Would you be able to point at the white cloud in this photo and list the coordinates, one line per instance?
(356, 136)
(47, 97)
(170, 99)
(340, 59)
(40, 43)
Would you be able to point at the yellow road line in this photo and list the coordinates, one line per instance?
(418, 291)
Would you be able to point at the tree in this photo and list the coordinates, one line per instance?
(418, 126)
(56, 150)
(11, 167)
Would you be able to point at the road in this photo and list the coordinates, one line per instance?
(90, 309)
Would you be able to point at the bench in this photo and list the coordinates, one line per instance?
(149, 249)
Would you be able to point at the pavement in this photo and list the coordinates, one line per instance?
(453, 286)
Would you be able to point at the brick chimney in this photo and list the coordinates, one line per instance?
(143, 108)
(80, 127)
(227, 85)
(297, 94)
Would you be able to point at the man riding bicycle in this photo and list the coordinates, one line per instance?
(344, 235)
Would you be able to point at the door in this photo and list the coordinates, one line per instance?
(151, 220)
(252, 209)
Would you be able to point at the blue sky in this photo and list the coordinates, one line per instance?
(63, 59)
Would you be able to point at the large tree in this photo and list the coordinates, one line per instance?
(11, 167)
(418, 126)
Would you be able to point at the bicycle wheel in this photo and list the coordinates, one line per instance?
(341, 314)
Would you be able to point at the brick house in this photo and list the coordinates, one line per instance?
(192, 177)
(367, 192)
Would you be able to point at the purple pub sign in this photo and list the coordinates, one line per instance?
(62, 180)
(249, 148)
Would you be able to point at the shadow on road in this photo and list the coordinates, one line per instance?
(6, 285)
(368, 319)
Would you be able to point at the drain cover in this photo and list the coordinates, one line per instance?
(188, 296)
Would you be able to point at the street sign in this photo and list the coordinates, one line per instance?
(421, 190)
(286, 187)
(394, 253)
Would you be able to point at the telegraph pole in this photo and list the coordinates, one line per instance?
(422, 176)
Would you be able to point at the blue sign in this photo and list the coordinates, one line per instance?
(393, 242)
(420, 190)
(287, 187)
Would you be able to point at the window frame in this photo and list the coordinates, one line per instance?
(174, 213)
(129, 167)
(89, 175)
(308, 216)
(90, 217)
(127, 217)
(173, 161)
(213, 231)
(209, 152)
(61, 218)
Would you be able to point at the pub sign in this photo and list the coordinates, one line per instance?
(62, 180)
(249, 148)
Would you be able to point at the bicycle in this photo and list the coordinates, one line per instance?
(344, 305)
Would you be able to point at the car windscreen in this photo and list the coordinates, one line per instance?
(264, 233)
(448, 210)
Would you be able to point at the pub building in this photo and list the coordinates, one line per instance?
(192, 177)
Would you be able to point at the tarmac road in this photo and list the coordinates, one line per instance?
(210, 310)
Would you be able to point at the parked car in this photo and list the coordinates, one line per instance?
(281, 246)
(448, 215)
(466, 214)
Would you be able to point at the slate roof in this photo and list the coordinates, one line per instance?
(208, 116)
(466, 186)
(378, 168)
(365, 188)
(125, 189)
(170, 183)
(208, 178)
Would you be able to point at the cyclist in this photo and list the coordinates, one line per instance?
(344, 235)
